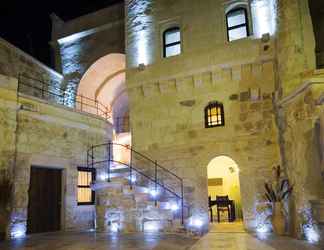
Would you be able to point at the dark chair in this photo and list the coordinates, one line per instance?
(223, 205)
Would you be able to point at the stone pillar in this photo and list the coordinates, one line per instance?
(295, 42)
(322, 143)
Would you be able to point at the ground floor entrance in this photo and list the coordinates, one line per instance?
(224, 190)
(45, 195)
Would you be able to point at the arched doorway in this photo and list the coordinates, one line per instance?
(104, 82)
(223, 182)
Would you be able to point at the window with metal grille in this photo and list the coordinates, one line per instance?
(85, 194)
(237, 24)
(214, 115)
(171, 42)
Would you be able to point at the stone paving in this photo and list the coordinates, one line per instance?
(221, 237)
(231, 236)
(100, 241)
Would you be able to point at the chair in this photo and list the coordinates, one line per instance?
(223, 205)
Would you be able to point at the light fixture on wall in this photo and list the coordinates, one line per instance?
(265, 38)
(141, 67)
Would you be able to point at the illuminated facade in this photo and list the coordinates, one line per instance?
(185, 84)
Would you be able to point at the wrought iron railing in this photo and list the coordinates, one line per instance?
(160, 179)
(51, 92)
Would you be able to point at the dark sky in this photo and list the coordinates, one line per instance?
(26, 23)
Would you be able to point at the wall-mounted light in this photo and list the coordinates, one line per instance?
(141, 67)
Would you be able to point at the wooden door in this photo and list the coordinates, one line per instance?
(44, 207)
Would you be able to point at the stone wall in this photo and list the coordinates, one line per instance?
(168, 97)
(298, 108)
(52, 136)
(299, 115)
(80, 42)
(295, 43)
(14, 61)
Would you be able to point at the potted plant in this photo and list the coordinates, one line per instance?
(5, 193)
(277, 191)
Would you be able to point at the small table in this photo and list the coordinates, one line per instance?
(224, 203)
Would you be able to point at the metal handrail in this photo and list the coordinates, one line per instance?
(92, 162)
(140, 154)
(46, 91)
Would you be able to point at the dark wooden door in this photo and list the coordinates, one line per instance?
(44, 207)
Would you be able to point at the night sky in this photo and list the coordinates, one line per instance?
(27, 25)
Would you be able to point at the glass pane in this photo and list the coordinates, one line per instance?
(237, 33)
(84, 195)
(173, 50)
(172, 36)
(214, 111)
(84, 178)
(236, 18)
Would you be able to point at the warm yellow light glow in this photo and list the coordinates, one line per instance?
(84, 193)
(225, 168)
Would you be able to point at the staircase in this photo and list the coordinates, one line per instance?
(135, 193)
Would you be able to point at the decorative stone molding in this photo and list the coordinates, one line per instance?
(247, 75)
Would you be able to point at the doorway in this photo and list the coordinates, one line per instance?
(224, 190)
(45, 195)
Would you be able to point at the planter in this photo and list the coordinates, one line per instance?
(278, 219)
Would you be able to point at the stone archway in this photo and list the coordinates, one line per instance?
(223, 180)
(104, 81)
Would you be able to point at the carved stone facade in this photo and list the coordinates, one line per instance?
(267, 82)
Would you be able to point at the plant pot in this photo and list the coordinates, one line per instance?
(278, 219)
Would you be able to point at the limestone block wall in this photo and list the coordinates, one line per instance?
(167, 120)
(168, 97)
(300, 139)
(14, 61)
(295, 43)
(80, 42)
(8, 105)
(52, 136)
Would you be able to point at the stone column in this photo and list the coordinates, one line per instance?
(322, 143)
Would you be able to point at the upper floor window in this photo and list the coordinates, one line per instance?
(237, 24)
(214, 115)
(86, 196)
(171, 42)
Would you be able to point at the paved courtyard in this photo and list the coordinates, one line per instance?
(221, 237)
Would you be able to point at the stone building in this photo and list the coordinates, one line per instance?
(182, 83)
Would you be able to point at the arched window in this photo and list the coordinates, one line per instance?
(214, 115)
(237, 24)
(171, 42)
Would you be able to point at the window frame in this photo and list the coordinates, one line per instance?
(165, 46)
(246, 24)
(93, 178)
(214, 104)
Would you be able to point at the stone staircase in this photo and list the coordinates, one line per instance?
(130, 198)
